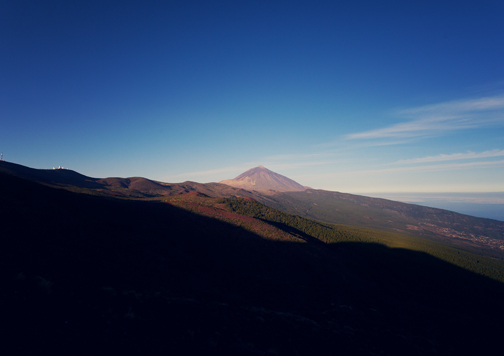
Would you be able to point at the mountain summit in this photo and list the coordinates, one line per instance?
(261, 178)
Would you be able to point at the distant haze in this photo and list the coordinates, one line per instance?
(483, 205)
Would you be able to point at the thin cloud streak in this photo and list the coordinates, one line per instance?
(206, 173)
(454, 156)
(294, 165)
(440, 118)
(430, 168)
(362, 144)
(421, 127)
(294, 156)
(457, 106)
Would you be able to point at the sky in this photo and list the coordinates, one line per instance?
(352, 96)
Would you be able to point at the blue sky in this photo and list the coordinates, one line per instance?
(356, 96)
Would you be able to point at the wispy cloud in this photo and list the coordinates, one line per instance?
(458, 106)
(295, 165)
(448, 167)
(294, 156)
(342, 145)
(440, 118)
(428, 168)
(210, 172)
(454, 156)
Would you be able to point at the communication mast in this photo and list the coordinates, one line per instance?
(1, 156)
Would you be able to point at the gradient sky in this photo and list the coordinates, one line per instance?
(352, 96)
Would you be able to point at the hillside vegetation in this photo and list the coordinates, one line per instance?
(477, 235)
(330, 234)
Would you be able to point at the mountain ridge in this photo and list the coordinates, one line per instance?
(479, 235)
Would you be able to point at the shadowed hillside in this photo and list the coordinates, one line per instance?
(86, 275)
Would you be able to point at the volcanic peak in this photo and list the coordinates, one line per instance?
(262, 179)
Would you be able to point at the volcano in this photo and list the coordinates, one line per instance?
(261, 179)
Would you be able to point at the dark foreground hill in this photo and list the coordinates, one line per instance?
(87, 275)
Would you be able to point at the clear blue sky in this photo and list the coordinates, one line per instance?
(354, 96)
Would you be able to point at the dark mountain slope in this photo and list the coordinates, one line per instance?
(49, 176)
(89, 275)
(140, 186)
(135, 187)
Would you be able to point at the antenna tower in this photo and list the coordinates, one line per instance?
(1, 156)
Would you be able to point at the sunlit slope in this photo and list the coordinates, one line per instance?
(475, 234)
(333, 234)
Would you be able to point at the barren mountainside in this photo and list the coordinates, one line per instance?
(261, 179)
